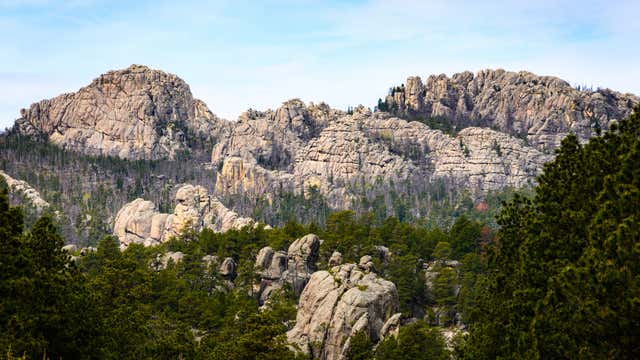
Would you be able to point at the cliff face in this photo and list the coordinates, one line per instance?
(347, 155)
(542, 109)
(135, 113)
(338, 303)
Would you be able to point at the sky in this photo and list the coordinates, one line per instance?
(240, 54)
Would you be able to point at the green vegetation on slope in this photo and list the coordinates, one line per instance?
(563, 278)
(112, 304)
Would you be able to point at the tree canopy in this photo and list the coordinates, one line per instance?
(563, 278)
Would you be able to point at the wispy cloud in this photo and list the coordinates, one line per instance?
(240, 54)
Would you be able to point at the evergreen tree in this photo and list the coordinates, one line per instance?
(361, 347)
(564, 277)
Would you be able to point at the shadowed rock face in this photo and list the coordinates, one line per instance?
(338, 303)
(544, 109)
(135, 113)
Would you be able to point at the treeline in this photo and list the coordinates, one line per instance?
(563, 276)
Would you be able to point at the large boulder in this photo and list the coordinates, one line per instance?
(338, 303)
(303, 254)
(228, 268)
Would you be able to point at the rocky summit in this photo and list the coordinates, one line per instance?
(542, 109)
(135, 113)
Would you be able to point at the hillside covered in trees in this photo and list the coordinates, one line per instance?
(557, 278)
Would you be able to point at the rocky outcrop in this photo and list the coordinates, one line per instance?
(542, 109)
(135, 113)
(366, 154)
(228, 268)
(338, 303)
(23, 190)
(293, 267)
(139, 222)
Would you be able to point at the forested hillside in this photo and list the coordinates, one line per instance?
(87, 191)
(557, 279)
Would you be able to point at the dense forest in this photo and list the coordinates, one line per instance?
(113, 304)
(558, 278)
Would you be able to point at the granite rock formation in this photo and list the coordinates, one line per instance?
(502, 127)
(346, 155)
(542, 109)
(338, 303)
(25, 191)
(134, 113)
(139, 222)
(293, 267)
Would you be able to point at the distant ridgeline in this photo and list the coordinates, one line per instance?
(140, 132)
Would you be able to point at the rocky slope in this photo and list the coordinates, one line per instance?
(135, 113)
(139, 222)
(542, 109)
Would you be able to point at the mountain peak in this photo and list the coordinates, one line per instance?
(133, 113)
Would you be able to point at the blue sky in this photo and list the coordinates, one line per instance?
(240, 54)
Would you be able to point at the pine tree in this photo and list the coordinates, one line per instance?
(564, 277)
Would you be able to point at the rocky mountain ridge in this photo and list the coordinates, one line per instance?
(477, 133)
(542, 109)
(364, 152)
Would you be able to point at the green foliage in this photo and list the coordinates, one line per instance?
(442, 250)
(382, 105)
(564, 277)
(415, 341)
(361, 347)
(43, 301)
(113, 305)
(496, 147)
(465, 237)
